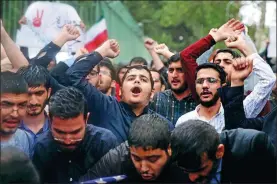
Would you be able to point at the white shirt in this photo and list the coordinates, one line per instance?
(217, 121)
(256, 100)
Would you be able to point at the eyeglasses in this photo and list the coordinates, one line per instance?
(105, 73)
(64, 140)
(210, 80)
(93, 73)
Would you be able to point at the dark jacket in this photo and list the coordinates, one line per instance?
(118, 162)
(232, 100)
(57, 166)
(105, 111)
(249, 157)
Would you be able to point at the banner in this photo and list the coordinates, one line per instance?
(44, 21)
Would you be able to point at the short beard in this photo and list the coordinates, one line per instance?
(42, 109)
(210, 103)
(181, 89)
(7, 133)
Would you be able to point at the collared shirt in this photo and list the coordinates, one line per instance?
(217, 121)
(167, 105)
(57, 166)
(217, 177)
(22, 140)
(45, 128)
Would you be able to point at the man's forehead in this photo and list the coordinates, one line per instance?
(135, 71)
(176, 64)
(207, 72)
(148, 151)
(223, 55)
(37, 88)
(13, 97)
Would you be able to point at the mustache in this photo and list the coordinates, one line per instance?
(205, 92)
(34, 105)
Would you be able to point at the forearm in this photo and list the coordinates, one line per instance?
(13, 52)
(156, 60)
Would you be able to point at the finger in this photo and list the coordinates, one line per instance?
(234, 24)
(230, 21)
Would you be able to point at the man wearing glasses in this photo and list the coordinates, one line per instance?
(14, 98)
(209, 77)
(66, 152)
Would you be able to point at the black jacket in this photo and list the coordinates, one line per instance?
(57, 166)
(249, 157)
(232, 100)
(118, 162)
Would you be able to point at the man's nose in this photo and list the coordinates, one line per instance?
(193, 177)
(14, 113)
(144, 167)
(33, 99)
(205, 84)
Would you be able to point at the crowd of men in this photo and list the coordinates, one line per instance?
(84, 120)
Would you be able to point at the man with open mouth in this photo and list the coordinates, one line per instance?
(106, 111)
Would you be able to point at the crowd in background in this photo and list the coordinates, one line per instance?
(171, 120)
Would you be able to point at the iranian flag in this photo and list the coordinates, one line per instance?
(96, 35)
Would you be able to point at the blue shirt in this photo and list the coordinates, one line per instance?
(34, 136)
(217, 177)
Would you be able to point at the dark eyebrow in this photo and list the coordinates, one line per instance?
(72, 132)
(196, 170)
(7, 102)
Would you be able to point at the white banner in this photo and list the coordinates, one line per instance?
(44, 22)
(272, 40)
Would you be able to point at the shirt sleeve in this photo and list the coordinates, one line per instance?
(189, 56)
(256, 100)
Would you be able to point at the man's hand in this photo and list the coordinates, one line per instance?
(242, 67)
(23, 20)
(226, 30)
(81, 52)
(239, 41)
(68, 33)
(149, 44)
(162, 49)
(109, 48)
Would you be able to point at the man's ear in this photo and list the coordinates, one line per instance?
(220, 151)
(49, 92)
(152, 94)
(169, 150)
(163, 87)
(113, 83)
(87, 118)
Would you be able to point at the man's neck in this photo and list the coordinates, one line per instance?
(5, 138)
(138, 109)
(181, 96)
(209, 112)
(35, 123)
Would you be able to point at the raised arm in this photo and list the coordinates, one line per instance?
(13, 52)
(195, 50)
(256, 100)
(98, 102)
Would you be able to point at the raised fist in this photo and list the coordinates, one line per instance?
(70, 32)
(149, 44)
(161, 49)
(109, 48)
(242, 67)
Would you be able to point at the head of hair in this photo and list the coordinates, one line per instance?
(221, 72)
(230, 51)
(108, 64)
(174, 58)
(138, 60)
(35, 76)
(161, 78)
(149, 131)
(13, 83)
(67, 103)
(16, 167)
(190, 140)
(139, 67)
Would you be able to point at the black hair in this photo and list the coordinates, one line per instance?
(67, 103)
(139, 67)
(118, 71)
(161, 78)
(219, 69)
(230, 51)
(149, 130)
(16, 167)
(35, 76)
(174, 58)
(108, 64)
(13, 83)
(138, 60)
(190, 140)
